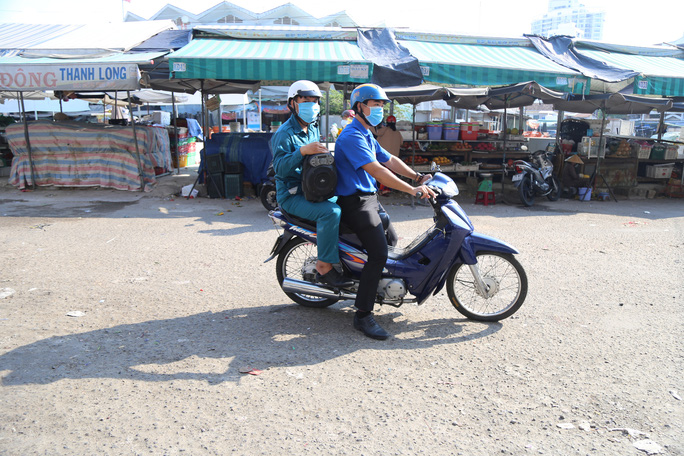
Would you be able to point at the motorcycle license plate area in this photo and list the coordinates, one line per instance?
(517, 177)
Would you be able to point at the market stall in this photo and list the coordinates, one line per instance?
(473, 148)
(614, 159)
(74, 60)
(73, 154)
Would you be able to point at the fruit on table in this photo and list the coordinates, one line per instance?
(460, 146)
(437, 147)
(411, 145)
(417, 160)
(488, 147)
(442, 160)
(623, 149)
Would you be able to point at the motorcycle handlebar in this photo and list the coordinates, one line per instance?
(432, 201)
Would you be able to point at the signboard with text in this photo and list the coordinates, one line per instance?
(81, 76)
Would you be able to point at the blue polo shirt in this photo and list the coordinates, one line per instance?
(287, 159)
(354, 148)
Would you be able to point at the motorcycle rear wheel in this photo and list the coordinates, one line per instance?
(554, 183)
(268, 197)
(503, 275)
(297, 257)
(526, 190)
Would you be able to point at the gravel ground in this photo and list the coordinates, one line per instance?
(172, 300)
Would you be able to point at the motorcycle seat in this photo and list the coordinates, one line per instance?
(311, 225)
(394, 253)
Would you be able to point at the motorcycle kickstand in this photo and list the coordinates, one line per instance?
(482, 288)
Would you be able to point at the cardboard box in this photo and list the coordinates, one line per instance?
(161, 117)
(659, 171)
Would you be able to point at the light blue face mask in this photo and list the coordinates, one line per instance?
(308, 111)
(375, 116)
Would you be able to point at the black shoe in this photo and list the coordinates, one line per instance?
(369, 327)
(334, 279)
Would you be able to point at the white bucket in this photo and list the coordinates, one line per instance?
(584, 193)
(234, 127)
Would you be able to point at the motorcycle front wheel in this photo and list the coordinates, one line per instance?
(297, 260)
(506, 284)
(526, 190)
(268, 197)
(554, 183)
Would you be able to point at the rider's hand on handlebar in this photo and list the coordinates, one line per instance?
(313, 148)
(423, 191)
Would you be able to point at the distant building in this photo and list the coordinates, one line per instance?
(570, 17)
(228, 13)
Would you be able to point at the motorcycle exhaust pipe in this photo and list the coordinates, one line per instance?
(313, 289)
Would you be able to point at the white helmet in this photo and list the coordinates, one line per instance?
(303, 88)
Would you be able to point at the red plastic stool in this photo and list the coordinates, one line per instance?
(485, 198)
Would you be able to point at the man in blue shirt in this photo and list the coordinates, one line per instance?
(362, 163)
(297, 137)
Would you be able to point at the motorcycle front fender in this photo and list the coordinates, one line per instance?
(477, 242)
(473, 243)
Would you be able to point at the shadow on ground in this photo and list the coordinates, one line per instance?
(262, 337)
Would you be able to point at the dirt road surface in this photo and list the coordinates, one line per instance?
(126, 320)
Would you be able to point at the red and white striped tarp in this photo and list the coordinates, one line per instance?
(72, 154)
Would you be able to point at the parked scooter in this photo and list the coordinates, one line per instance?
(268, 191)
(536, 178)
(483, 279)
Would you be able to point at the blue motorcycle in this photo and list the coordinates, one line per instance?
(484, 281)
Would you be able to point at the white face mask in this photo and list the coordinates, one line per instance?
(308, 111)
(375, 116)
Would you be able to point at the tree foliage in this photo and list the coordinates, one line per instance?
(401, 112)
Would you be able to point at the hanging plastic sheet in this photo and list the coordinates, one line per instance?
(393, 64)
(561, 50)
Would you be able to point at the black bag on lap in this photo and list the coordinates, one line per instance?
(319, 177)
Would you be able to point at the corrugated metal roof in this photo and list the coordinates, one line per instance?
(138, 58)
(26, 36)
(78, 40)
(277, 32)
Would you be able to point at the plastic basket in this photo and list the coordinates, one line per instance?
(434, 132)
(469, 131)
(671, 152)
(451, 131)
(643, 151)
(232, 185)
(658, 152)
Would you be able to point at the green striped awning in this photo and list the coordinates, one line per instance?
(662, 76)
(484, 65)
(288, 60)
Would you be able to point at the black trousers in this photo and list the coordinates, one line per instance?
(361, 214)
